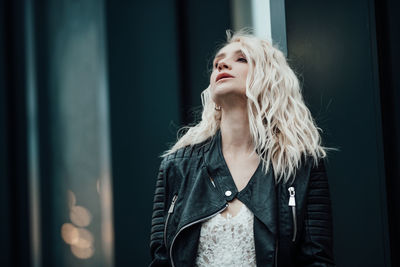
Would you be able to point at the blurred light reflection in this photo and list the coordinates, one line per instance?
(69, 233)
(74, 234)
(80, 216)
(85, 239)
(82, 253)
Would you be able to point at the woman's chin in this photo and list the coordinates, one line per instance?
(220, 95)
(226, 89)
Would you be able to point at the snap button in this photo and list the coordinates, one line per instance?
(228, 193)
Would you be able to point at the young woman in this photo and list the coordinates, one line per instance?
(247, 185)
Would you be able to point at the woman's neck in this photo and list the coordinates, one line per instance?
(235, 132)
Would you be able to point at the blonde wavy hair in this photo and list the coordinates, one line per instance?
(281, 125)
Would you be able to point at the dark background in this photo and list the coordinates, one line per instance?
(153, 57)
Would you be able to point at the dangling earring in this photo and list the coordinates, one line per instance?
(217, 108)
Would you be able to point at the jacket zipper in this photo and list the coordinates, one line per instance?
(276, 253)
(292, 203)
(171, 210)
(190, 224)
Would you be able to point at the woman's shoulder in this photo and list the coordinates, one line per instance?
(193, 151)
(309, 167)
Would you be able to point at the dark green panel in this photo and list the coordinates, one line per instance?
(144, 100)
(332, 47)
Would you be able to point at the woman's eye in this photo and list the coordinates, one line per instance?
(216, 64)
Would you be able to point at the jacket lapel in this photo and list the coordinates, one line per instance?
(259, 195)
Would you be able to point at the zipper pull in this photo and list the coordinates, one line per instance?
(212, 180)
(292, 200)
(171, 208)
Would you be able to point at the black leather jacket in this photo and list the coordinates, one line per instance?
(191, 188)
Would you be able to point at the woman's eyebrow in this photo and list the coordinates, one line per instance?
(223, 54)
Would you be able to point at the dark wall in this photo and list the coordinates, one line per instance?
(388, 37)
(200, 36)
(144, 95)
(157, 53)
(332, 44)
(13, 143)
(5, 258)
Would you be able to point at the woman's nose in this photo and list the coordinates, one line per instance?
(223, 65)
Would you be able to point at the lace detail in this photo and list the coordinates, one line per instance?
(227, 241)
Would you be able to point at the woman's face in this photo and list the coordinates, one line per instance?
(229, 73)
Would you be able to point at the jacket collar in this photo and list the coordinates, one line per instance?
(259, 195)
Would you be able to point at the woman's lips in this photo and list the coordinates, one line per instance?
(223, 76)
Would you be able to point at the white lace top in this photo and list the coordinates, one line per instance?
(227, 241)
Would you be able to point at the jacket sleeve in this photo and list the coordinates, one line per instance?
(316, 248)
(158, 251)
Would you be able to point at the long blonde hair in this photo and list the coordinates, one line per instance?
(281, 125)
